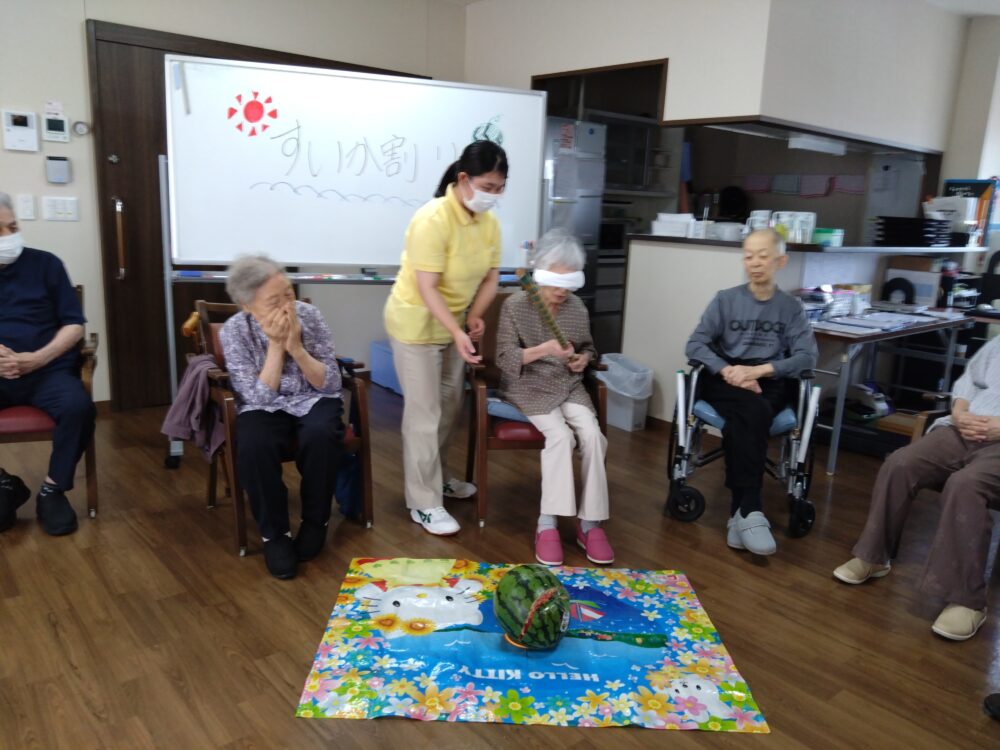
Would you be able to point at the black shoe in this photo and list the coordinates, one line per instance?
(992, 705)
(54, 511)
(13, 494)
(279, 555)
(310, 541)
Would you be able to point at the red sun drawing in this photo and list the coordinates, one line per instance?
(251, 114)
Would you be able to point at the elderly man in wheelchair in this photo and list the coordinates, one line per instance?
(752, 351)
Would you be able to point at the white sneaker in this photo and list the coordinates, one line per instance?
(733, 533)
(458, 490)
(755, 533)
(435, 521)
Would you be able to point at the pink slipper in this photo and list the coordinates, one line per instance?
(595, 543)
(548, 547)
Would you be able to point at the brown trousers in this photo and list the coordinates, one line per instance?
(968, 476)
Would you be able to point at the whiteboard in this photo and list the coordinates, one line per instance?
(314, 166)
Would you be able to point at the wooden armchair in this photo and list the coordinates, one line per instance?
(206, 323)
(488, 433)
(924, 419)
(26, 424)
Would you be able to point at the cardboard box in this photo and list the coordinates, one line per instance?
(916, 263)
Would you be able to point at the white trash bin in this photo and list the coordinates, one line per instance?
(629, 387)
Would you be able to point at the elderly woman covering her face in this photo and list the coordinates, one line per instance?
(282, 368)
(545, 381)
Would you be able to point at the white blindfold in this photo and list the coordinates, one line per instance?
(571, 281)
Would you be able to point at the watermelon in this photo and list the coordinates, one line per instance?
(532, 607)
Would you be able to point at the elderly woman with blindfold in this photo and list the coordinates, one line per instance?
(545, 381)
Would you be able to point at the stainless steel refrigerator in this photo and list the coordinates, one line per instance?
(574, 186)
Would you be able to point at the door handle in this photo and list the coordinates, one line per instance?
(120, 232)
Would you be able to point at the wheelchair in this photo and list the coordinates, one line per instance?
(793, 467)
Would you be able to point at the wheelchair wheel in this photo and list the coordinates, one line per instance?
(801, 516)
(685, 503)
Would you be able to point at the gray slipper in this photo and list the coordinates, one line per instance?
(755, 533)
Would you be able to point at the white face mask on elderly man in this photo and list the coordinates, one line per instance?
(11, 246)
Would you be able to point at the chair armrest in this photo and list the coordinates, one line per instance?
(88, 362)
(807, 375)
(350, 363)
(89, 346)
(597, 367)
(924, 421)
(219, 376)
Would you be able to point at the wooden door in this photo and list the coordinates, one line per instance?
(128, 103)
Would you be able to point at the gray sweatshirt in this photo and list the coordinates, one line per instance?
(737, 328)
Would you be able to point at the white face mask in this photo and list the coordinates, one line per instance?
(480, 202)
(10, 248)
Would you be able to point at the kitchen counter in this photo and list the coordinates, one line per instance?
(809, 248)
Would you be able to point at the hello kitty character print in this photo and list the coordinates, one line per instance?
(442, 606)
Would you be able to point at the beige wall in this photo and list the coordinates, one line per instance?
(43, 56)
(716, 47)
(884, 70)
(978, 82)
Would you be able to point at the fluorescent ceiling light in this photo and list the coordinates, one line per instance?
(816, 143)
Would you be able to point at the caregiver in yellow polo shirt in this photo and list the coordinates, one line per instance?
(451, 260)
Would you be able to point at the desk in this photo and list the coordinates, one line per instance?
(852, 346)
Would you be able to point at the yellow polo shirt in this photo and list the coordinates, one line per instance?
(442, 238)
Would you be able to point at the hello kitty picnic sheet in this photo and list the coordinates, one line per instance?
(418, 639)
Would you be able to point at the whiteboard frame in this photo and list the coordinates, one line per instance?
(170, 59)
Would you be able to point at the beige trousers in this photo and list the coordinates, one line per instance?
(432, 379)
(558, 491)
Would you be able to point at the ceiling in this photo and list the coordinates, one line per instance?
(960, 7)
(969, 7)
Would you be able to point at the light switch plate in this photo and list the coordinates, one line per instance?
(25, 207)
(57, 208)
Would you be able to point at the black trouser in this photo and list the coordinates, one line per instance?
(264, 439)
(61, 395)
(748, 418)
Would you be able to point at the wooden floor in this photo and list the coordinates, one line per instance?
(145, 630)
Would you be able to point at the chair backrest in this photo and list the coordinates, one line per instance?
(487, 345)
(211, 317)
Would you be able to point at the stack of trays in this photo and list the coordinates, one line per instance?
(898, 231)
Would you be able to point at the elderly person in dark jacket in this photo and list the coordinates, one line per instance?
(41, 324)
(545, 381)
(282, 367)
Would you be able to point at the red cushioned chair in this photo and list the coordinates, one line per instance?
(488, 433)
(206, 322)
(26, 424)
